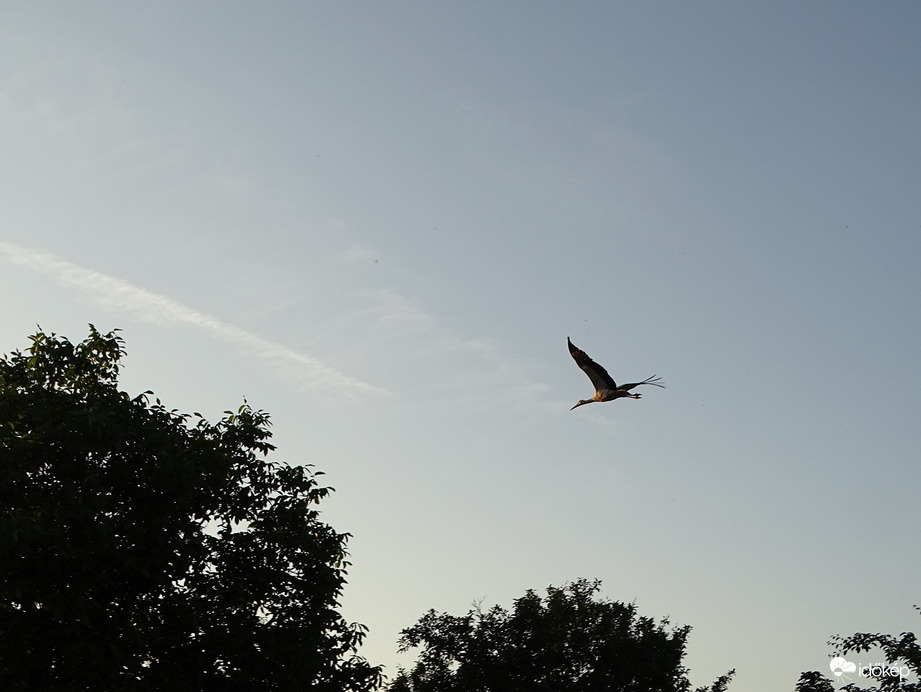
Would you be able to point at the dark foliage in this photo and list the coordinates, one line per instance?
(144, 549)
(814, 681)
(901, 655)
(568, 641)
(901, 659)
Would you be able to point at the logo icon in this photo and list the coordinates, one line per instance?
(839, 666)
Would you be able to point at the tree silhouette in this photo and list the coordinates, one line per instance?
(814, 681)
(567, 641)
(902, 655)
(144, 549)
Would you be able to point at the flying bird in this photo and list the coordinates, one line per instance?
(606, 389)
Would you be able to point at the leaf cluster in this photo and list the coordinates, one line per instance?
(902, 651)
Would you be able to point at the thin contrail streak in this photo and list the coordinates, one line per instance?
(117, 294)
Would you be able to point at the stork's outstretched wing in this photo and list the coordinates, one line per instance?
(597, 374)
(654, 381)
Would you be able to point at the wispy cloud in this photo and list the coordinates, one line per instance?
(434, 363)
(119, 295)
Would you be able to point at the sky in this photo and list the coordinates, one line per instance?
(379, 222)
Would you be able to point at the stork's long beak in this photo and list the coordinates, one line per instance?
(584, 401)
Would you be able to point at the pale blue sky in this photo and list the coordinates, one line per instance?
(380, 221)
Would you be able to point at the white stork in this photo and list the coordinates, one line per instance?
(606, 389)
